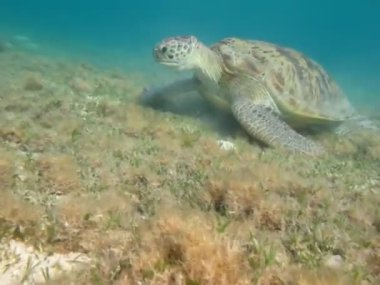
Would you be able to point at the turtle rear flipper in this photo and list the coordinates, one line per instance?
(355, 123)
(261, 122)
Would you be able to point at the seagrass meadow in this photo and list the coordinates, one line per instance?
(145, 195)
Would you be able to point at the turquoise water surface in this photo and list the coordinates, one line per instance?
(344, 36)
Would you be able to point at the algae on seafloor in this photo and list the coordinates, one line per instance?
(150, 197)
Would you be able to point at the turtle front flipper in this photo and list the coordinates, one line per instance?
(152, 94)
(262, 123)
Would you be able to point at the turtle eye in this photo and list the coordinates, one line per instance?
(164, 49)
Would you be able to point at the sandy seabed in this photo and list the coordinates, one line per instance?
(97, 188)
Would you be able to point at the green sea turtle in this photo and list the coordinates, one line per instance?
(270, 90)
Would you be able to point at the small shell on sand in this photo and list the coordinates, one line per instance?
(226, 145)
(333, 261)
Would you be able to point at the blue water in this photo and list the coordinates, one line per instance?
(344, 36)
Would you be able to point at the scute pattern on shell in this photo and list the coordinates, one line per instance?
(296, 83)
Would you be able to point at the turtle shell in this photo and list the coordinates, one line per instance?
(299, 86)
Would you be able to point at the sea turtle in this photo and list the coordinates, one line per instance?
(270, 90)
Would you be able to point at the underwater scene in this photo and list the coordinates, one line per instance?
(190, 142)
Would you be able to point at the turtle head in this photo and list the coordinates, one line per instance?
(180, 52)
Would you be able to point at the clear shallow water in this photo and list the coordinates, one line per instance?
(344, 36)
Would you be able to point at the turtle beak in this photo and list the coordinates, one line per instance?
(161, 55)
